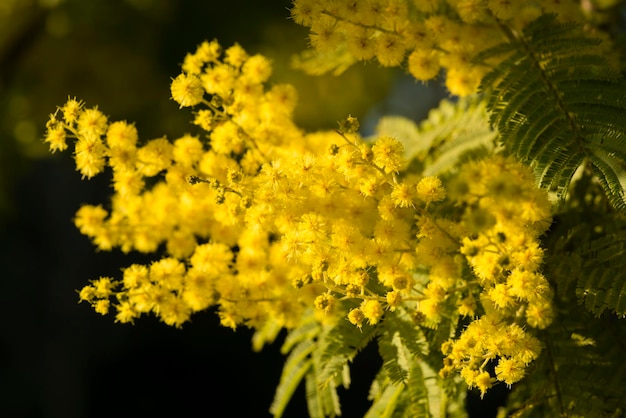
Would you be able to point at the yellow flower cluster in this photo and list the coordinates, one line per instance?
(424, 36)
(264, 221)
(505, 215)
(254, 214)
(209, 204)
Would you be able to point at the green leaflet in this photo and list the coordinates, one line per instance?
(588, 260)
(581, 372)
(265, 335)
(558, 105)
(423, 394)
(407, 385)
(300, 343)
(297, 365)
(602, 283)
(322, 401)
(395, 357)
(335, 61)
(452, 134)
(385, 401)
(338, 346)
(603, 288)
(308, 329)
(321, 357)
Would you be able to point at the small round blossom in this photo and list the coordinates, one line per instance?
(325, 302)
(424, 64)
(122, 134)
(71, 111)
(510, 370)
(187, 90)
(403, 194)
(430, 189)
(257, 68)
(372, 311)
(91, 123)
(388, 154)
(56, 138)
(356, 317)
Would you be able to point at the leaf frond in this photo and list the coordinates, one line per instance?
(557, 104)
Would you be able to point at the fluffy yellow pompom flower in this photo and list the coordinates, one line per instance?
(187, 90)
(387, 152)
(424, 64)
(71, 110)
(257, 69)
(510, 370)
(356, 317)
(402, 195)
(430, 189)
(92, 122)
(325, 303)
(55, 137)
(483, 382)
(372, 311)
(389, 50)
(90, 155)
(122, 134)
(235, 55)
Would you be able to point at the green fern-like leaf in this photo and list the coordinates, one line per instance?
(265, 335)
(557, 105)
(307, 329)
(423, 394)
(338, 346)
(394, 355)
(581, 372)
(399, 339)
(322, 400)
(334, 61)
(452, 133)
(602, 283)
(412, 336)
(463, 134)
(296, 366)
(588, 256)
(300, 344)
(407, 384)
(385, 399)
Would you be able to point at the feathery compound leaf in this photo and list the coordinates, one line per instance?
(322, 401)
(338, 346)
(582, 372)
(557, 104)
(307, 329)
(602, 282)
(334, 61)
(412, 335)
(300, 343)
(424, 392)
(451, 133)
(384, 406)
(265, 335)
(395, 357)
(296, 366)
(464, 134)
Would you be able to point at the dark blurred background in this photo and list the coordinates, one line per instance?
(59, 358)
